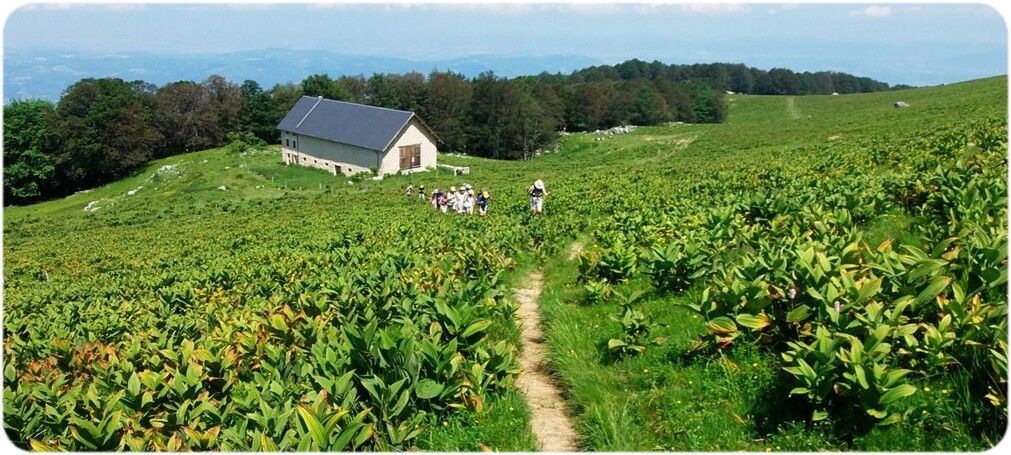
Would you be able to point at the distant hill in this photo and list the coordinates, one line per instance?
(46, 73)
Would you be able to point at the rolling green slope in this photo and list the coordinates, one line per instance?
(211, 246)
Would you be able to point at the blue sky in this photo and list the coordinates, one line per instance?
(897, 43)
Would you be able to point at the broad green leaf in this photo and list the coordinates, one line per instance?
(896, 393)
(277, 322)
(869, 289)
(935, 287)
(722, 326)
(316, 430)
(428, 389)
(861, 376)
(476, 327)
(798, 314)
(753, 321)
(266, 444)
(133, 384)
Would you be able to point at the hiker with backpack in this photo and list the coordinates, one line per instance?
(451, 198)
(435, 199)
(537, 193)
(482, 202)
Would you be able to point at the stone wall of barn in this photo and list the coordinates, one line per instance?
(331, 156)
(293, 157)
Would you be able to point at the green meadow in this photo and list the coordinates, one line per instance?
(816, 273)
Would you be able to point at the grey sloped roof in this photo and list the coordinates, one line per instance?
(369, 127)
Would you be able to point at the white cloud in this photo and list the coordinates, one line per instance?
(715, 8)
(493, 8)
(326, 6)
(251, 6)
(115, 7)
(122, 6)
(783, 7)
(47, 6)
(875, 11)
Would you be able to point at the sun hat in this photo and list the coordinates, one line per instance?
(452, 188)
(539, 184)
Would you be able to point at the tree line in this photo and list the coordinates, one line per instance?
(739, 78)
(104, 129)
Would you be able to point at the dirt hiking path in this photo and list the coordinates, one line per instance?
(552, 428)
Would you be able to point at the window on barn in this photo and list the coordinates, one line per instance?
(286, 142)
(410, 156)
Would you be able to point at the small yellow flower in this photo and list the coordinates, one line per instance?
(926, 389)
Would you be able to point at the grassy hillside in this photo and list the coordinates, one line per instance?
(285, 262)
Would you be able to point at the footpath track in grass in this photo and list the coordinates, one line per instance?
(548, 418)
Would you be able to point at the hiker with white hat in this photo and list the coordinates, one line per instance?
(451, 198)
(461, 197)
(435, 199)
(421, 192)
(468, 202)
(537, 193)
(409, 191)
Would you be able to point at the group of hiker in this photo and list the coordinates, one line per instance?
(464, 199)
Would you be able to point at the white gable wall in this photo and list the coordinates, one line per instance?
(413, 134)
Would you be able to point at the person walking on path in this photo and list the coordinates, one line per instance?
(451, 198)
(470, 201)
(435, 199)
(461, 196)
(537, 193)
(443, 202)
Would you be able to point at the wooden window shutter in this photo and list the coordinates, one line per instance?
(405, 158)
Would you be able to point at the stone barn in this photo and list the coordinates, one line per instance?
(348, 138)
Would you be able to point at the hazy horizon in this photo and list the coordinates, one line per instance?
(926, 44)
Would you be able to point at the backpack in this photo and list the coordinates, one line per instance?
(537, 192)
